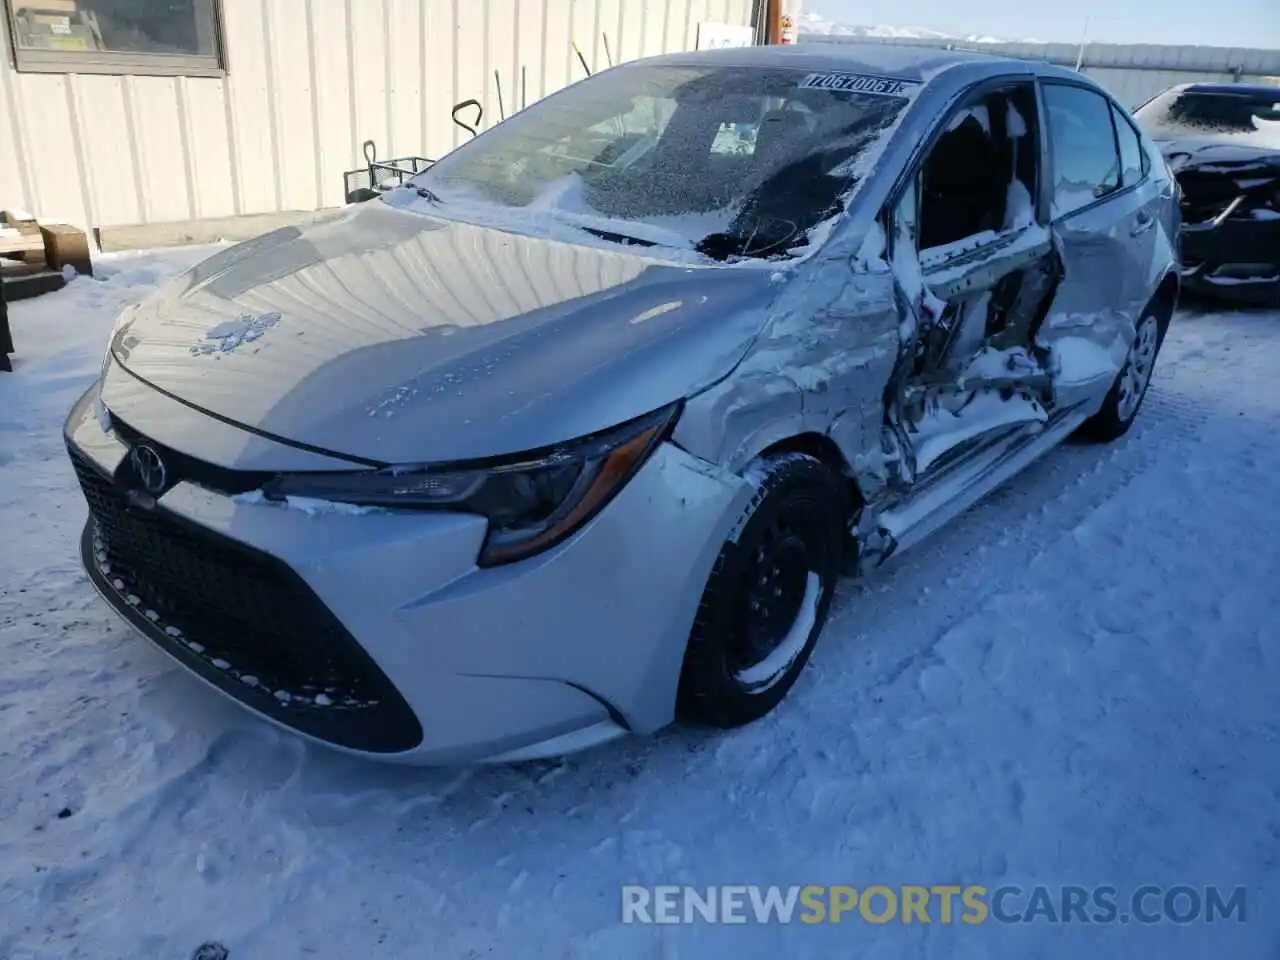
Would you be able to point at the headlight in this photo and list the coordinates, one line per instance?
(531, 502)
(125, 317)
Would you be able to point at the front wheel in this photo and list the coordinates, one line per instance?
(1126, 395)
(768, 595)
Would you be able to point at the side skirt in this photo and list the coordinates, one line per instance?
(904, 523)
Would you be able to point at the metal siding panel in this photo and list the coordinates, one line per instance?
(42, 110)
(404, 71)
(111, 177)
(679, 19)
(205, 108)
(607, 33)
(75, 114)
(560, 66)
(15, 189)
(695, 12)
(471, 63)
(595, 56)
(249, 108)
(369, 74)
(582, 24)
(336, 145)
(440, 38)
(288, 59)
(627, 45)
(529, 53)
(653, 20)
(499, 46)
(162, 165)
(190, 176)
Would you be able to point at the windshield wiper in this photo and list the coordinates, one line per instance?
(623, 238)
(426, 194)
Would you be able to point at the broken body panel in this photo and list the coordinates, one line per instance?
(1230, 241)
(1222, 143)
(937, 373)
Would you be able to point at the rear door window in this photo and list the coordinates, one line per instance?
(1132, 166)
(1085, 156)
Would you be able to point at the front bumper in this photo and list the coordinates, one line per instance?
(376, 633)
(1236, 259)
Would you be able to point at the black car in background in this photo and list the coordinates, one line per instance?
(1222, 142)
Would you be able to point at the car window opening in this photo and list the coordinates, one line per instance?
(980, 176)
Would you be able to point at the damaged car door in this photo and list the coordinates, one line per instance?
(1105, 215)
(975, 270)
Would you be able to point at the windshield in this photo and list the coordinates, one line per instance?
(1249, 116)
(731, 161)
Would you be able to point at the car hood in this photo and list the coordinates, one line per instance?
(397, 337)
(1229, 155)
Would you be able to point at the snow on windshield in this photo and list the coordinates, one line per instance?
(1246, 117)
(729, 161)
(567, 198)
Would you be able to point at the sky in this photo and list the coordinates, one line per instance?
(1229, 23)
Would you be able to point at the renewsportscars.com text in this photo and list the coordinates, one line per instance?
(940, 903)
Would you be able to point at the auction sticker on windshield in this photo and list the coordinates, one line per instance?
(859, 83)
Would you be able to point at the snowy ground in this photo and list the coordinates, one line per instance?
(1073, 684)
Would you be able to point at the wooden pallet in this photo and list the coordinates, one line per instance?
(53, 246)
(20, 239)
(34, 258)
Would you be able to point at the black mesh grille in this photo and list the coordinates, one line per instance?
(240, 618)
(1204, 196)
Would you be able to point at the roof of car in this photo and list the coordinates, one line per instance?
(1248, 89)
(911, 63)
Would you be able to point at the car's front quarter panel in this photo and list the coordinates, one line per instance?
(819, 366)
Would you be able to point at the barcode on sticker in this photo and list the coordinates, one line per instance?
(858, 83)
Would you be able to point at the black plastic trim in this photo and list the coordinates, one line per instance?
(389, 727)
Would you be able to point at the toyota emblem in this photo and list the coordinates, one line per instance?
(149, 468)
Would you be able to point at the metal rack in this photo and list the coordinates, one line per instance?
(378, 176)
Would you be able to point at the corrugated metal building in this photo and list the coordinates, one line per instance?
(150, 111)
(1134, 73)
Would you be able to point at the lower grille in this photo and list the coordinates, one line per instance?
(241, 619)
(1204, 196)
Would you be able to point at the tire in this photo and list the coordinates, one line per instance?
(745, 654)
(1125, 397)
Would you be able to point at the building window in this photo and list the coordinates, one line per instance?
(148, 37)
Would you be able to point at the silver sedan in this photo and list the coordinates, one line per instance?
(572, 435)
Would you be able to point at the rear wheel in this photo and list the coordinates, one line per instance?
(1127, 393)
(768, 595)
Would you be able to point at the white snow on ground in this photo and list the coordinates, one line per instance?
(1074, 683)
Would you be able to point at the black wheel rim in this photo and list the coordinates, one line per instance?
(774, 581)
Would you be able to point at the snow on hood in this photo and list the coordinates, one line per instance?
(399, 337)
